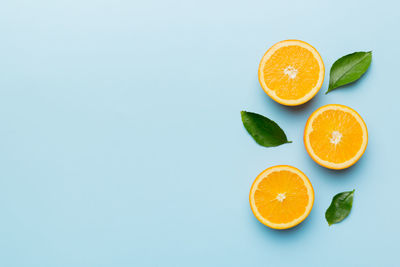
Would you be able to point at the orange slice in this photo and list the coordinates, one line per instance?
(281, 197)
(335, 136)
(291, 72)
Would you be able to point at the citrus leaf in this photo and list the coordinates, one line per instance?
(340, 207)
(349, 69)
(263, 130)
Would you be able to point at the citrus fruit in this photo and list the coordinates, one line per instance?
(335, 136)
(281, 197)
(291, 72)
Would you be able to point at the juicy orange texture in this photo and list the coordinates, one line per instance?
(293, 58)
(291, 72)
(281, 197)
(335, 136)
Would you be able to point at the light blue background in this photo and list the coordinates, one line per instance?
(122, 145)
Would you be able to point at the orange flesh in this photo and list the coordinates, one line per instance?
(300, 59)
(321, 137)
(294, 204)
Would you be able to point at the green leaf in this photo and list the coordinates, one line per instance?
(263, 130)
(340, 207)
(349, 69)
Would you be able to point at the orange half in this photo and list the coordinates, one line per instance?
(335, 136)
(281, 197)
(291, 72)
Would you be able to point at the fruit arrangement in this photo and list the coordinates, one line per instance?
(292, 72)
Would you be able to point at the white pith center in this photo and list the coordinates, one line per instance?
(281, 196)
(290, 71)
(336, 137)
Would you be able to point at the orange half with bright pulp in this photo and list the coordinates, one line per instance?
(335, 136)
(281, 197)
(291, 72)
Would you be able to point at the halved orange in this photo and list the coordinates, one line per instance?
(335, 136)
(291, 72)
(281, 197)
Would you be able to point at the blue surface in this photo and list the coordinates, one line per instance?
(122, 145)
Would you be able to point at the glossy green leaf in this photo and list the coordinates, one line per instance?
(348, 69)
(263, 130)
(340, 207)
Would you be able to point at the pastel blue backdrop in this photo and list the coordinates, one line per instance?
(121, 142)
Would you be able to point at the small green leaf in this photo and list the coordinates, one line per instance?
(340, 207)
(264, 131)
(349, 69)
